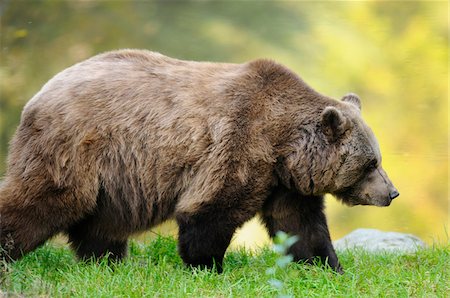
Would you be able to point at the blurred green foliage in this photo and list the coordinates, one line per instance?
(393, 54)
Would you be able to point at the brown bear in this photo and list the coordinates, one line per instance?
(127, 139)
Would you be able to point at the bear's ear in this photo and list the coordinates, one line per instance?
(353, 99)
(334, 124)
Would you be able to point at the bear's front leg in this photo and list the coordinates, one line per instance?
(204, 238)
(210, 211)
(303, 216)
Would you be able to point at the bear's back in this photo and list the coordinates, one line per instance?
(113, 75)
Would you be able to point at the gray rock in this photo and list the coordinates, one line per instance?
(372, 240)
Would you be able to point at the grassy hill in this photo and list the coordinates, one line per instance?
(154, 269)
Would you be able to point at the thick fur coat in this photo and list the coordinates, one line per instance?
(128, 139)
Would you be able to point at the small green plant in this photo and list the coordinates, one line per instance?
(282, 243)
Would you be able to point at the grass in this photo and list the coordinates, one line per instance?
(154, 269)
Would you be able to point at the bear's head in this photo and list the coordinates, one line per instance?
(339, 155)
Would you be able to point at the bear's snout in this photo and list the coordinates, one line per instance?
(382, 188)
(393, 194)
(374, 189)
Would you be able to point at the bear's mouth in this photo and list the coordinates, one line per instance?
(348, 201)
(349, 198)
(379, 202)
(384, 204)
(356, 202)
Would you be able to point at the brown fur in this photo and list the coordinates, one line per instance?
(128, 139)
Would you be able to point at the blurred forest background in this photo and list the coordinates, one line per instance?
(394, 55)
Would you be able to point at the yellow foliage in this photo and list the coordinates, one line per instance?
(21, 33)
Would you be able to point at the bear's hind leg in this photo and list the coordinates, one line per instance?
(31, 215)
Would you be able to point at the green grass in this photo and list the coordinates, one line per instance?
(154, 269)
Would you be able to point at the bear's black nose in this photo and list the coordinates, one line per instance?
(393, 194)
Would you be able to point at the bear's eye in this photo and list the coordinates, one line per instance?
(372, 165)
